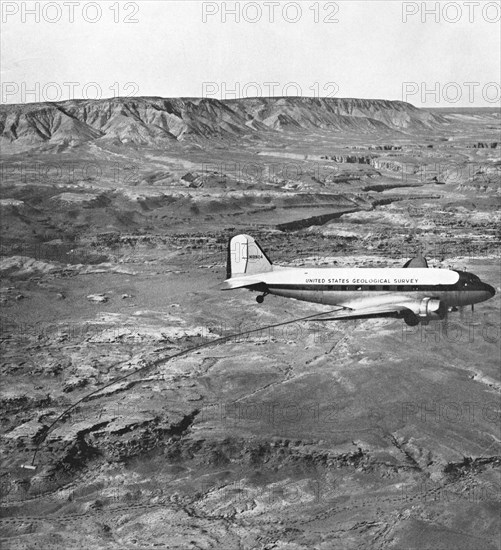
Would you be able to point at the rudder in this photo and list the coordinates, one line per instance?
(246, 257)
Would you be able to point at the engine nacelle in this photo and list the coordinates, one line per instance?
(432, 309)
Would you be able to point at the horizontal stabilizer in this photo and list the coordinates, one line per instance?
(240, 282)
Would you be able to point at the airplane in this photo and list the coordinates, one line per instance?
(415, 293)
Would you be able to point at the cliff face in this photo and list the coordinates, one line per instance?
(333, 113)
(159, 121)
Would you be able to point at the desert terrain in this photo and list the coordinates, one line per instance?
(366, 434)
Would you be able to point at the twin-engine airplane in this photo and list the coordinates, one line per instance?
(414, 293)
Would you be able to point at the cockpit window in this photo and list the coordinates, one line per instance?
(466, 277)
(468, 280)
(471, 279)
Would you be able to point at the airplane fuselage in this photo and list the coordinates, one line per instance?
(341, 286)
(414, 292)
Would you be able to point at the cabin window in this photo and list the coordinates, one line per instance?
(372, 287)
(386, 287)
(400, 288)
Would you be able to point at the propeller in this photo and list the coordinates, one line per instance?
(446, 320)
(462, 314)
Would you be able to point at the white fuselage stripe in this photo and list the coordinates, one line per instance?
(358, 276)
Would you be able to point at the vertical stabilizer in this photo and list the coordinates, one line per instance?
(246, 257)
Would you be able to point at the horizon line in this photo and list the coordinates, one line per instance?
(247, 98)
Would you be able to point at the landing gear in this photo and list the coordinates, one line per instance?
(260, 298)
(411, 319)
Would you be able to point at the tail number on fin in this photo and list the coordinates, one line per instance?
(245, 257)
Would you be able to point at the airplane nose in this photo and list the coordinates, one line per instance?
(490, 289)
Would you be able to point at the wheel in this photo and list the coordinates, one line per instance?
(259, 299)
(411, 320)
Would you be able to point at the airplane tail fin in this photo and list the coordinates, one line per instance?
(246, 257)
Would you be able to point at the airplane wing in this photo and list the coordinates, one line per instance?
(361, 312)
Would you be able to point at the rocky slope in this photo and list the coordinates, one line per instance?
(333, 113)
(160, 121)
